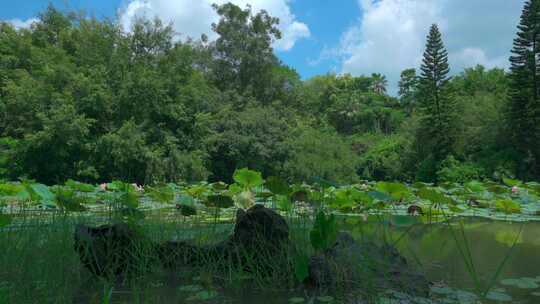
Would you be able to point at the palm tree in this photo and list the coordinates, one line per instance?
(379, 83)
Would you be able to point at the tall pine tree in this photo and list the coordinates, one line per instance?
(523, 114)
(436, 134)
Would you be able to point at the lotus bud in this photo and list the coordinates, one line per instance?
(245, 199)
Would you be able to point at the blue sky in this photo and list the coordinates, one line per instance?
(342, 36)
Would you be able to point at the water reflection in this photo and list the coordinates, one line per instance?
(436, 247)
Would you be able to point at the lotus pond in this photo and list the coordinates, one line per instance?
(476, 242)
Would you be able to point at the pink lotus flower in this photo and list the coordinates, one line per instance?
(515, 189)
(103, 187)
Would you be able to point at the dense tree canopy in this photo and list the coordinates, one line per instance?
(82, 99)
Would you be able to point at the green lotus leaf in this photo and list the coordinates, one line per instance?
(42, 192)
(277, 186)
(82, 187)
(475, 186)
(325, 299)
(248, 178)
(434, 196)
(508, 206)
(203, 295)
(511, 182)
(190, 288)
(498, 296)
(523, 283)
(397, 191)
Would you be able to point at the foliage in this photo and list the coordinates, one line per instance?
(5, 220)
(277, 186)
(255, 138)
(508, 206)
(523, 113)
(68, 200)
(126, 202)
(248, 178)
(454, 171)
(436, 134)
(245, 59)
(408, 89)
(324, 232)
(314, 153)
(301, 267)
(7, 147)
(82, 99)
(381, 157)
(220, 201)
(481, 96)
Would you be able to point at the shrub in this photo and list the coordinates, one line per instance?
(321, 154)
(452, 170)
(382, 159)
(7, 167)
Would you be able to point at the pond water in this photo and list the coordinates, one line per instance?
(436, 247)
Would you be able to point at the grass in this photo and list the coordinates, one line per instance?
(39, 265)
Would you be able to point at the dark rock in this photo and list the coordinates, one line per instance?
(260, 228)
(361, 266)
(259, 242)
(108, 249)
(320, 272)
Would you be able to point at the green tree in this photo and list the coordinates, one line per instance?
(481, 96)
(351, 106)
(253, 138)
(381, 157)
(408, 89)
(244, 55)
(436, 134)
(523, 114)
(53, 24)
(319, 154)
(54, 153)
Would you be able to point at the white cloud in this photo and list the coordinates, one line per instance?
(19, 24)
(390, 34)
(193, 18)
(471, 56)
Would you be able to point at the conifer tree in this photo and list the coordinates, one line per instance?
(436, 134)
(523, 113)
